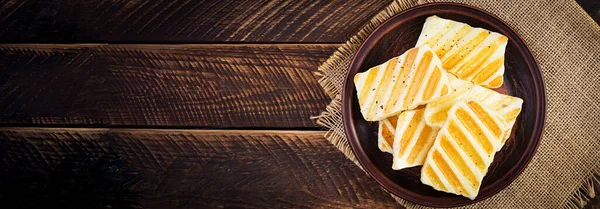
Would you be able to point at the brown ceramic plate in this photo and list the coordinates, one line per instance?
(522, 78)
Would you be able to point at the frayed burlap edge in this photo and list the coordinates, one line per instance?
(328, 120)
(585, 192)
(336, 67)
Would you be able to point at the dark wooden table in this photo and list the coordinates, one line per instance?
(175, 104)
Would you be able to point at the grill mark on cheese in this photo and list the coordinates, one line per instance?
(420, 143)
(481, 57)
(471, 66)
(440, 33)
(385, 146)
(433, 177)
(497, 82)
(393, 120)
(379, 88)
(488, 71)
(465, 144)
(432, 84)
(410, 131)
(476, 131)
(456, 158)
(446, 47)
(486, 119)
(468, 47)
(512, 115)
(400, 85)
(447, 172)
(439, 117)
(444, 90)
(414, 86)
(387, 134)
(369, 81)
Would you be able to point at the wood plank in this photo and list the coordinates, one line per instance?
(592, 7)
(44, 167)
(126, 168)
(178, 21)
(212, 85)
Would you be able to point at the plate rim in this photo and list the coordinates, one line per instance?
(538, 127)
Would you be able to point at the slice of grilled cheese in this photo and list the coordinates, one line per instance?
(472, 54)
(385, 135)
(463, 149)
(412, 139)
(508, 107)
(402, 83)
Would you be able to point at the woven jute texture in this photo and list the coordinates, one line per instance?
(566, 44)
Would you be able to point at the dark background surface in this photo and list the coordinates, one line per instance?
(178, 103)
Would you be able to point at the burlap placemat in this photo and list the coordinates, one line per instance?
(566, 43)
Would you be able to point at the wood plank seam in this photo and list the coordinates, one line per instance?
(183, 21)
(199, 86)
(180, 168)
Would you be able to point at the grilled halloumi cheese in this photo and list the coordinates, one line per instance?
(508, 107)
(402, 83)
(463, 149)
(472, 54)
(385, 135)
(412, 139)
(437, 111)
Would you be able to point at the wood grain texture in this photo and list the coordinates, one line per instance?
(56, 21)
(592, 7)
(265, 85)
(137, 168)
